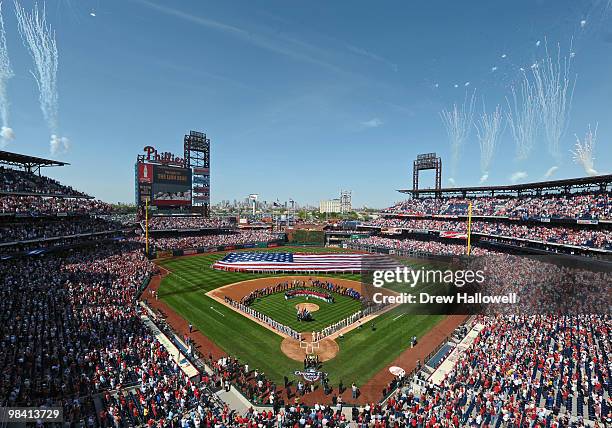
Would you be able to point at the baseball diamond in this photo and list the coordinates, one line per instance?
(188, 277)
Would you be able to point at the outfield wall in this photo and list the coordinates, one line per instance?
(307, 237)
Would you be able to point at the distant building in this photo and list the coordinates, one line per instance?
(346, 205)
(330, 206)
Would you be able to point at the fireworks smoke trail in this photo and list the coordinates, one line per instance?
(550, 172)
(554, 91)
(583, 151)
(458, 122)
(488, 129)
(602, 7)
(39, 38)
(6, 72)
(522, 117)
(518, 176)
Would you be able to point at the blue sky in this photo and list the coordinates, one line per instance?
(301, 99)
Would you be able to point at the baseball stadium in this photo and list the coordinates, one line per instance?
(446, 305)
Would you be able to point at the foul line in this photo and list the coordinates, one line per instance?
(217, 312)
(399, 316)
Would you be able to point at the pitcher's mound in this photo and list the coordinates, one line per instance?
(326, 350)
(310, 307)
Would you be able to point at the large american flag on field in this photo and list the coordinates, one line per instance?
(289, 262)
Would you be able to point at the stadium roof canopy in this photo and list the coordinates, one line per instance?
(599, 183)
(26, 162)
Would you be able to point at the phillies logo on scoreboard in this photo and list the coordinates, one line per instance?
(145, 173)
(165, 158)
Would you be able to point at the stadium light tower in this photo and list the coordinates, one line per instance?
(197, 157)
(427, 161)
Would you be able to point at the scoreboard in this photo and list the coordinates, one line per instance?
(181, 183)
(163, 185)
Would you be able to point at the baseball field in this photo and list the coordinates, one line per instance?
(362, 352)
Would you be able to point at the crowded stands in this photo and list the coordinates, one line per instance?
(71, 328)
(202, 241)
(41, 230)
(39, 205)
(413, 245)
(16, 181)
(521, 371)
(26, 193)
(171, 223)
(594, 238)
(572, 206)
(65, 321)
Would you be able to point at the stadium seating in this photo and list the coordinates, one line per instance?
(413, 245)
(43, 205)
(17, 181)
(71, 331)
(41, 230)
(202, 241)
(593, 238)
(182, 223)
(575, 206)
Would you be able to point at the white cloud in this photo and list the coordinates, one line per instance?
(372, 123)
(518, 176)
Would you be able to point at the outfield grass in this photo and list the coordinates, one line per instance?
(363, 352)
(283, 310)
